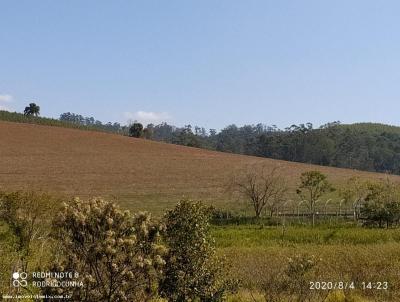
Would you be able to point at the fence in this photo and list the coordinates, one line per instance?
(328, 207)
(296, 211)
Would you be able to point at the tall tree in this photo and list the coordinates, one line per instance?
(136, 130)
(313, 184)
(32, 109)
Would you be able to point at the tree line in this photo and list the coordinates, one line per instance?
(91, 122)
(364, 146)
(367, 146)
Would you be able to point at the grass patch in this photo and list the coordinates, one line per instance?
(349, 254)
(258, 236)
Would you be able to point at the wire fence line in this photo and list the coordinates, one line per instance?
(322, 208)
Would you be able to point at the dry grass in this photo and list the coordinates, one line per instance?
(346, 254)
(258, 268)
(140, 174)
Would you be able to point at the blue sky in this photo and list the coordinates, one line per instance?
(210, 63)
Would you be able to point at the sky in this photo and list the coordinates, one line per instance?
(206, 63)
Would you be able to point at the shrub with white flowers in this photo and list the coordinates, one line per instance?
(118, 256)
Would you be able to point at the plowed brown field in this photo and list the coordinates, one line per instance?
(141, 174)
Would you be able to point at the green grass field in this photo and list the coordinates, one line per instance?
(254, 236)
(348, 254)
(257, 255)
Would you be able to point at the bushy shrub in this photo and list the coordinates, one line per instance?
(293, 282)
(117, 255)
(25, 219)
(382, 204)
(193, 272)
(26, 215)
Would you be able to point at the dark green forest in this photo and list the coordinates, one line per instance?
(362, 146)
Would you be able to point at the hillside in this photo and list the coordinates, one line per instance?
(141, 174)
(362, 146)
(372, 127)
(370, 147)
(92, 125)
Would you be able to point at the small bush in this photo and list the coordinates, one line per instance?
(293, 281)
(193, 271)
(24, 235)
(26, 214)
(382, 205)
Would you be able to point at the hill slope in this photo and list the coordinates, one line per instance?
(141, 174)
(373, 127)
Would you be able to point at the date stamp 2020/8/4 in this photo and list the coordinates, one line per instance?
(349, 285)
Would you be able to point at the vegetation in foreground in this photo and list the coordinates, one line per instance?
(125, 257)
(117, 256)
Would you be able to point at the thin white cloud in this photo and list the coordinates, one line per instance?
(4, 108)
(6, 98)
(148, 117)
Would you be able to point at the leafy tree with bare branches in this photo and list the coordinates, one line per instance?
(263, 188)
(354, 192)
(313, 184)
(32, 109)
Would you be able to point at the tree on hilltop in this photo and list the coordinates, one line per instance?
(32, 109)
(136, 130)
